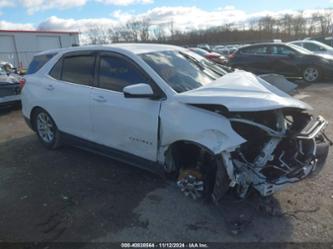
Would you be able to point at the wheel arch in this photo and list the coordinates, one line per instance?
(213, 168)
(172, 151)
(33, 112)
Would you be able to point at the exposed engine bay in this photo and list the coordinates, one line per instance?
(282, 147)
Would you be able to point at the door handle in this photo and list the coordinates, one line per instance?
(99, 99)
(50, 87)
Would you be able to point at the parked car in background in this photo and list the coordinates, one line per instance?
(225, 50)
(286, 59)
(213, 56)
(205, 47)
(314, 46)
(160, 108)
(9, 87)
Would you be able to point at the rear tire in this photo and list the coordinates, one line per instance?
(311, 74)
(46, 129)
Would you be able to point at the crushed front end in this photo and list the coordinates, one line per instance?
(283, 147)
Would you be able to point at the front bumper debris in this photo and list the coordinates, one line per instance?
(284, 159)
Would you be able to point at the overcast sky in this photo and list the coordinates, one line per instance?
(79, 14)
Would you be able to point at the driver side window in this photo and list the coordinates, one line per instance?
(282, 50)
(115, 73)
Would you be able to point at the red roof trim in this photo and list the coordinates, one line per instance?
(40, 31)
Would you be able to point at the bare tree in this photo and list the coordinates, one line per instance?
(287, 27)
(97, 35)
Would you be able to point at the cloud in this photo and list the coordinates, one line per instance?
(33, 6)
(6, 3)
(17, 26)
(125, 2)
(185, 18)
(55, 23)
(181, 18)
(81, 25)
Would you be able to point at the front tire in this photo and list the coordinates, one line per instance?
(311, 74)
(46, 129)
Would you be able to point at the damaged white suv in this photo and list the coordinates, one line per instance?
(169, 110)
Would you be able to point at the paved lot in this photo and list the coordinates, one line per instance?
(73, 195)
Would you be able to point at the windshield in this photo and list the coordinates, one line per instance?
(320, 44)
(181, 70)
(200, 51)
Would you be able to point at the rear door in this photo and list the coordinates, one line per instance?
(126, 124)
(68, 93)
(253, 59)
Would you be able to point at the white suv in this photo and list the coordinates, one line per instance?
(169, 110)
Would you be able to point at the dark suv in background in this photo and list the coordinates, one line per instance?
(285, 59)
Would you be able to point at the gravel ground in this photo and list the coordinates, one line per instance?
(73, 195)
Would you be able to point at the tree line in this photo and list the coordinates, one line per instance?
(286, 27)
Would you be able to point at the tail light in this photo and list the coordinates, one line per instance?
(21, 82)
(212, 56)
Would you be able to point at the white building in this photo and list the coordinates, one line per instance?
(19, 46)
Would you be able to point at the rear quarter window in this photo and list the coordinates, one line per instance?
(38, 62)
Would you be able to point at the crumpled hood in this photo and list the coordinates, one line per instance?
(241, 91)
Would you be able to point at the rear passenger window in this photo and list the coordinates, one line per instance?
(38, 62)
(262, 50)
(78, 69)
(116, 73)
(281, 50)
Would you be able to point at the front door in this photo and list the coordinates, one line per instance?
(126, 124)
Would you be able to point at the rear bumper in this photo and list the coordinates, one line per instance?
(9, 92)
(10, 99)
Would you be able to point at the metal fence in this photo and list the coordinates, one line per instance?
(20, 59)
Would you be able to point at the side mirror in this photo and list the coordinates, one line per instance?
(138, 91)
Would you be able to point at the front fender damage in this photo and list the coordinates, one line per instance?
(211, 130)
(264, 150)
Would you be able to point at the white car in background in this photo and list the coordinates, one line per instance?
(159, 107)
(314, 46)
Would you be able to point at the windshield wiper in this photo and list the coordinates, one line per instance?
(193, 60)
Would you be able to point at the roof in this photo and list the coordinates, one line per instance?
(136, 48)
(264, 44)
(38, 31)
(141, 48)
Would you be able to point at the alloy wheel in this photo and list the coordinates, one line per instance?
(311, 74)
(45, 127)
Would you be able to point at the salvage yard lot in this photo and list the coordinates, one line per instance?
(74, 195)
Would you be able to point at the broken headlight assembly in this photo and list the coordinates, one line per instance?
(282, 147)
